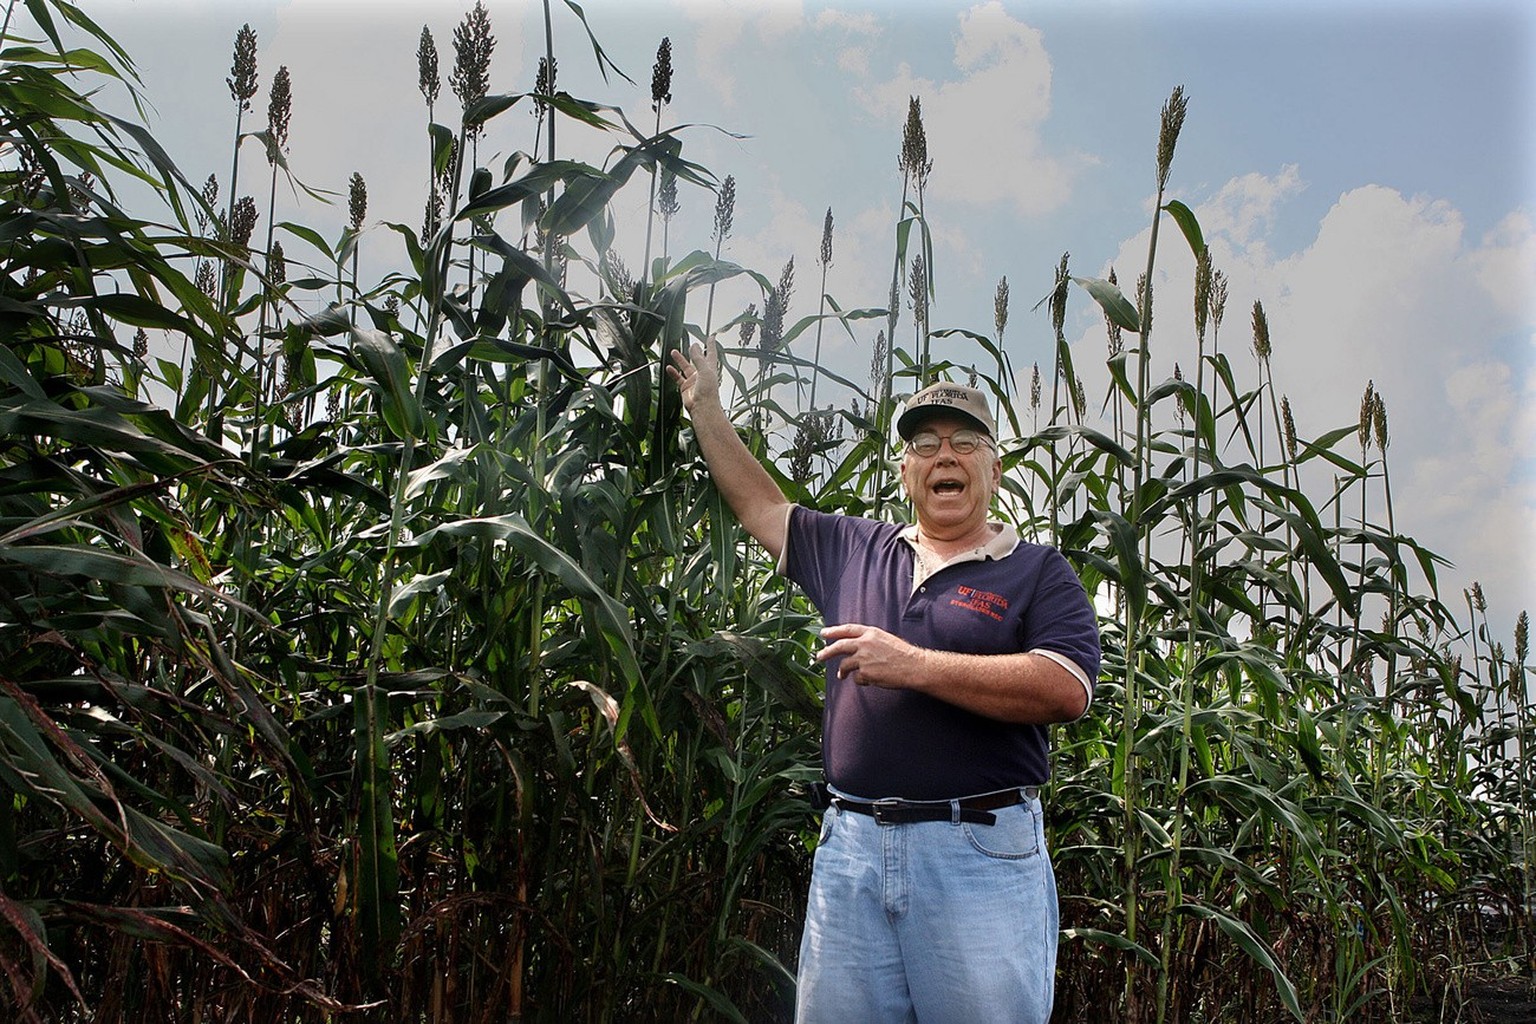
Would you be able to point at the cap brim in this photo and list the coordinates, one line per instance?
(908, 422)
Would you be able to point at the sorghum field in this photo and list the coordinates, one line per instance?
(397, 661)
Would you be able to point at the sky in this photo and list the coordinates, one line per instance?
(1366, 169)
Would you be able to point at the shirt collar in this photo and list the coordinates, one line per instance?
(925, 563)
(1001, 545)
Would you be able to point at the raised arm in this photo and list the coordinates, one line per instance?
(754, 497)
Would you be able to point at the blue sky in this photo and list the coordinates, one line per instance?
(1365, 169)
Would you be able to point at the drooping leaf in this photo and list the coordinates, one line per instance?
(1114, 303)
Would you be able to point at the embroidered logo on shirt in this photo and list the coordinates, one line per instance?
(983, 601)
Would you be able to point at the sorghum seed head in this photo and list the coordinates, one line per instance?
(1202, 291)
(450, 168)
(280, 108)
(748, 325)
(914, 162)
(725, 208)
(1144, 289)
(1260, 331)
(242, 74)
(787, 282)
(427, 79)
(277, 264)
(471, 74)
(244, 221)
(544, 80)
(1379, 422)
(1290, 426)
(826, 240)
(1218, 298)
(666, 194)
(1059, 296)
(1168, 133)
(80, 189)
(1000, 307)
(877, 376)
(357, 200)
(432, 217)
(777, 308)
(917, 290)
(1178, 406)
(661, 75)
(1367, 411)
(619, 280)
(210, 196)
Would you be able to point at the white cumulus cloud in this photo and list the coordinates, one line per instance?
(983, 125)
(721, 27)
(1390, 290)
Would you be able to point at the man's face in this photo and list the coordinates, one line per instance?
(950, 492)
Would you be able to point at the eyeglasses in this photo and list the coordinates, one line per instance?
(961, 442)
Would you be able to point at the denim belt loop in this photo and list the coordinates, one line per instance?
(954, 812)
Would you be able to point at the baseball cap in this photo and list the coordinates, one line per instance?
(944, 397)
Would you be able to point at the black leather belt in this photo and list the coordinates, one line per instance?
(975, 810)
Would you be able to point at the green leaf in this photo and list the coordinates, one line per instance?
(1114, 303)
(132, 570)
(16, 374)
(610, 617)
(1255, 947)
(402, 597)
(714, 997)
(1185, 218)
(1114, 940)
(137, 311)
(463, 720)
(387, 365)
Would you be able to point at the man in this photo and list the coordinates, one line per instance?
(951, 645)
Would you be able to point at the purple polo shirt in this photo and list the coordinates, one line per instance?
(898, 743)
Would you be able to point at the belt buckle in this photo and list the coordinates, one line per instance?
(878, 808)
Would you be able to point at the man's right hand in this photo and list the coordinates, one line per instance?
(743, 482)
(699, 377)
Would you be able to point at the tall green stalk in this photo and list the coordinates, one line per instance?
(1193, 611)
(1172, 121)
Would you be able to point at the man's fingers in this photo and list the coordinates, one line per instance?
(840, 648)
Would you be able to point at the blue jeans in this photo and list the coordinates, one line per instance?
(930, 922)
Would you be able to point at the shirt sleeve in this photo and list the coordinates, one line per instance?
(1061, 622)
(1072, 667)
(782, 566)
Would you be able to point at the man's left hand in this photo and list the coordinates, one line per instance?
(871, 656)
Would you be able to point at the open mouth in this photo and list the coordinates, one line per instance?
(948, 487)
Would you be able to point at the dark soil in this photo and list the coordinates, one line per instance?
(1501, 1001)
